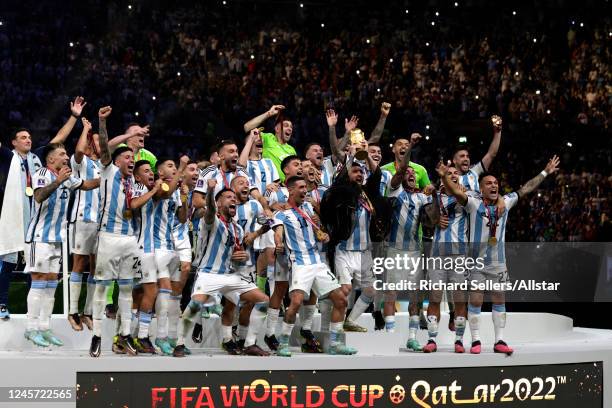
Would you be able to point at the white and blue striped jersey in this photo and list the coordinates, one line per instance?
(480, 227)
(300, 240)
(48, 219)
(145, 221)
(164, 216)
(224, 178)
(452, 240)
(217, 242)
(359, 239)
(114, 191)
(327, 171)
(86, 204)
(316, 194)
(246, 217)
(279, 196)
(180, 231)
(261, 173)
(406, 220)
(470, 179)
(385, 181)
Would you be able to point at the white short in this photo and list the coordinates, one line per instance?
(282, 270)
(448, 275)
(229, 285)
(148, 268)
(83, 238)
(354, 265)
(483, 276)
(317, 278)
(43, 257)
(400, 273)
(183, 249)
(168, 265)
(117, 257)
(264, 241)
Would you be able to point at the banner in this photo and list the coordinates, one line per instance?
(559, 385)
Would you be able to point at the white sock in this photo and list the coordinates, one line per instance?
(99, 303)
(134, 325)
(91, 288)
(174, 313)
(46, 305)
(125, 305)
(335, 328)
(499, 321)
(325, 306)
(286, 330)
(459, 328)
(255, 321)
(186, 322)
(35, 298)
(272, 321)
(378, 300)
(307, 314)
(390, 324)
(360, 306)
(242, 331)
(350, 299)
(474, 319)
(432, 327)
(76, 280)
(161, 312)
(413, 327)
(144, 320)
(226, 332)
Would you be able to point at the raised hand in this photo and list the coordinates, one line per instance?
(385, 108)
(553, 165)
(76, 107)
(415, 138)
(442, 169)
(86, 124)
(275, 110)
(497, 123)
(351, 124)
(63, 174)
(212, 183)
(332, 117)
(104, 112)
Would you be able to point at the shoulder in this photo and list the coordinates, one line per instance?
(212, 170)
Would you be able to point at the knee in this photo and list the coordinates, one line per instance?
(390, 296)
(340, 301)
(369, 292)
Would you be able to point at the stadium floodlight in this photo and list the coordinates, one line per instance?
(569, 144)
(456, 4)
(390, 59)
(462, 139)
(427, 127)
(153, 97)
(301, 5)
(537, 91)
(433, 23)
(136, 114)
(513, 12)
(322, 25)
(427, 137)
(129, 6)
(548, 111)
(427, 44)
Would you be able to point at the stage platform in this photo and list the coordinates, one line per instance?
(538, 339)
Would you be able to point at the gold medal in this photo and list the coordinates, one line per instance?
(127, 214)
(29, 191)
(493, 241)
(165, 187)
(320, 235)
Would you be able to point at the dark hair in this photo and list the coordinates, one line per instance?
(129, 125)
(192, 162)
(224, 190)
(224, 143)
(290, 182)
(17, 130)
(48, 149)
(375, 144)
(161, 161)
(485, 174)
(309, 145)
(139, 164)
(458, 148)
(118, 151)
(288, 160)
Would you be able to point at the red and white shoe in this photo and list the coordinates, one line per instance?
(476, 346)
(502, 347)
(459, 347)
(430, 347)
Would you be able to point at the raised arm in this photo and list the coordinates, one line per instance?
(349, 125)
(258, 120)
(137, 131)
(243, 160)
(494, 146)
(105, 154)
(279, 232)
(551, 167)
(211, 207)
(90, 184)
(332, 120)
(76, 108)
(81, 146)
(397, 178)
(431, 212)
(138, 202)
(451, 188)
(183, 209)
(385, 108)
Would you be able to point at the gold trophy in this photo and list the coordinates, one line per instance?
(357, 139)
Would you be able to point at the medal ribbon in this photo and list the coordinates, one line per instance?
(492, 221)
(306, 217)
(441, 204)
(128, 193)
(364, 201)
(234, 233)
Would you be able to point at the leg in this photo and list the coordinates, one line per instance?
(280, 289)
(47, 310)
(307, 311)
(433, 318)
(259, 300)
(499, 322)
(161, 312)
(36, 302)
(145, 315)
(460, 319)
(389, 310)
(297, 297)
(474, 307)
(6, 271)
(187, 320)
(91, 288)
(76, 280)
(414, 325)
(339, 301)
